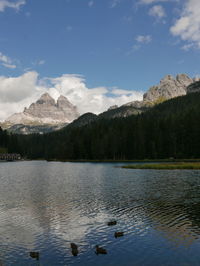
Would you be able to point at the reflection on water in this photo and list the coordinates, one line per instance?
(44, 206)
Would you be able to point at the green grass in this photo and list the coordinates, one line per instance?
(165, 166)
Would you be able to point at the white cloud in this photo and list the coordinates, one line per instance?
(143, 39)
(15, 89)
(11, 4)
(9, 66)
(157, 11)
(19, 92)
(117, 91)
(6, 61)
(90, 3)
(89, 100)
(187, 27)
(37, 62)
(114, 3)
(187, 47)
(152, 1)
(41, 62)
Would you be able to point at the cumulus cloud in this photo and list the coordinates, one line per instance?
(157, 11)
(15, 89)
(187, 26)
(19, 92)
(11, 4)
(90, 99)
(6, 61)
(143, 39)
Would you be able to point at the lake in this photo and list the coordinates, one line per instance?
(44, 206)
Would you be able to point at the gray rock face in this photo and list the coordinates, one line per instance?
(168, 88)
(112, 107)
(138, 104)
(46, 111)
(30, 129)
(194, 87)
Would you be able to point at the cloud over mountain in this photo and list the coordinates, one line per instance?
(18, 92)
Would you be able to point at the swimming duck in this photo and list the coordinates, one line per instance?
(74, 250)
(100, 250)
(118, 234)
(34, 255)
(73, 246)
(112, 223)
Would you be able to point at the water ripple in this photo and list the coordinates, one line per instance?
(46, 206)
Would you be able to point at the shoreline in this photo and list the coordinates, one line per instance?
(137, 164)
(124, 161)
(166, 166)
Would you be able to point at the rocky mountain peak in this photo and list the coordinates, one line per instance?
(167, 78)
(46, 99)
(46, 111)
(168, 88)
(113, 107)
(184, 79)
(63, 102)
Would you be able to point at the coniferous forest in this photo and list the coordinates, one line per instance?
(170, 129)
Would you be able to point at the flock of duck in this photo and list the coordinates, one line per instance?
(74, 247)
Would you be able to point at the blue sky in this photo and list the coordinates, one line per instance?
(113, 44)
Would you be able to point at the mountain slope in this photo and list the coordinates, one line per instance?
(170, 129)
(46, 111)
(43, 116)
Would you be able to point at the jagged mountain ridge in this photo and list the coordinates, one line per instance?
(46, 111)
(168, 88)
(47, 115)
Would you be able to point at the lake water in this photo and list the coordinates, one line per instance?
(44, 206)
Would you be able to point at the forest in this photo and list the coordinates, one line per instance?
(168, 130)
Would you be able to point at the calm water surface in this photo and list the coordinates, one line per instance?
(46, 205)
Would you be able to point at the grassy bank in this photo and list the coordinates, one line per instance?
(124, 161)
(166, 166)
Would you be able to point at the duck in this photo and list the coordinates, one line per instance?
(112, 223)
(73, 246)
(100, 250)
(118, 234)
(74, 250)
(35, 255)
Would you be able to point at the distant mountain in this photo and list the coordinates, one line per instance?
(37, 129)
(46, 111)
(83, 120)
(47, 115)
(167, 130)
(42, 116)
(194, 87)
(168, 88)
